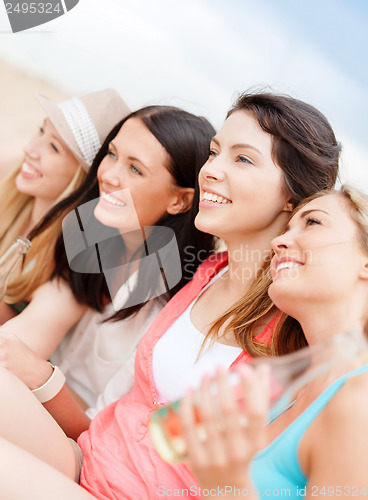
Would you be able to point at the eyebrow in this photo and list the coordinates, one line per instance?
(56, 138)
(53, 136)
(131, 158)
(307, 212)
(304, 214)
(239, 146)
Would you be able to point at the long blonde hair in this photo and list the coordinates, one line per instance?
(288, 334)
(16, 209)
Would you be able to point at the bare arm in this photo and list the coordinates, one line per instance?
(6, 312)
(66, 407)
(69, 412)
(51, 312)
(27, 340)
(337, 445)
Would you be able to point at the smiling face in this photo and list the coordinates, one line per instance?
(319, 259)
(241, 187)
(49, 166)
(136, 187)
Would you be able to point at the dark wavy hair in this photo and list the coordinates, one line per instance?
(186, 139)
(305, 148)
(304, 145)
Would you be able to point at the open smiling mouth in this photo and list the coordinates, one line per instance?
(215, 198)
(29, 170)
(287, 265)
(113, 201)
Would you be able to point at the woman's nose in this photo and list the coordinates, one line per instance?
(280, 242)
(213, 170)
(32, 149)
(110, 175)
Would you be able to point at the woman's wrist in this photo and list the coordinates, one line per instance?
(41, 372)
(51, 387)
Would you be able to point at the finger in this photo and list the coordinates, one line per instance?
(194, 446)
(233, 419)
(212, 425)
(255, 388)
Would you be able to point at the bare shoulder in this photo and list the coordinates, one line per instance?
(55, 299)
(344, 418)
(56, 288)
(337, 441)
(350, 397)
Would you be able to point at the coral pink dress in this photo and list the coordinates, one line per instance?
(119, 459)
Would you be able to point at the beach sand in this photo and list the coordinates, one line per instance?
(20, 112)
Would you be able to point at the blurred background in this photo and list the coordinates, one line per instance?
(197, 54)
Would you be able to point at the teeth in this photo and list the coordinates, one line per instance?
(112, 200)
(215, 198)
(30, 170)
(287, 265)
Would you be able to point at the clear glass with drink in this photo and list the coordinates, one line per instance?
(288, 375)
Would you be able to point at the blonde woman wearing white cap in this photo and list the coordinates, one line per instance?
(56, 161)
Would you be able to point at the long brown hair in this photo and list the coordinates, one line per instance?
(186, 139)
(304, 146)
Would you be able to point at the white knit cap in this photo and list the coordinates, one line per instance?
(84, 122)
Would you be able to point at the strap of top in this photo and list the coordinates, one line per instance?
(290, 438)
(307, 417)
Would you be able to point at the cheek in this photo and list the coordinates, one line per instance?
(57, 183)
(150, 204)
(64, 178)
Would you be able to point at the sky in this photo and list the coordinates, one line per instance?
(200, 54)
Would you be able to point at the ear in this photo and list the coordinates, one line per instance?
(363, 274)
(182, 201)
(288, 206)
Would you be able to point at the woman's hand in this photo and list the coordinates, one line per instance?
(19, 359)
(233, 432)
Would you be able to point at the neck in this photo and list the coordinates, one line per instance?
(246, 257)
(129, 260)
(132, 241)
(39, 210)
(322, 321)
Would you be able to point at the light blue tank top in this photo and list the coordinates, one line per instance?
(275, 471)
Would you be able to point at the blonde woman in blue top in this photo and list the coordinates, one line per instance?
(319, 446)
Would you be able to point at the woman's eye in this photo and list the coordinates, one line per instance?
(134, 169)
(111, 154)
(310, 221)
(244, 159)
(212, 153)
(41, 130)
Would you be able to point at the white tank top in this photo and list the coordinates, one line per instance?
(175, 369)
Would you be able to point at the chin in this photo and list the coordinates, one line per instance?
(105, 217)
(282, 296)
(291, 300)
(201, 225)
(22, 187)
(123, 223)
